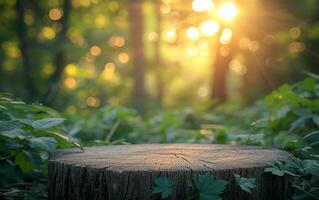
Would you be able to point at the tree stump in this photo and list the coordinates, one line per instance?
(127, 172)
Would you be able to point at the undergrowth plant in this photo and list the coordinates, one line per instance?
(204, 186)
(28, 135)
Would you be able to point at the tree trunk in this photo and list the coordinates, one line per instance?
(127, 172)
(59, 60)
(20, 8)
(158, 63)
(138, 61)
(2, 75)
(221, 67)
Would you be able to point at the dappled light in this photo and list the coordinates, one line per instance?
(218, 73)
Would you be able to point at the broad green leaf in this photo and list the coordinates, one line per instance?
(246, 184)
(208, 187)
(47, 123)
(62, 139)
(309, 84)
(9, 125)
(25, 161)
(43, 143)
(164, 186)
(275, 170)
(17, 133)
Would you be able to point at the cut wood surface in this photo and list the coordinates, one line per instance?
(127, 172)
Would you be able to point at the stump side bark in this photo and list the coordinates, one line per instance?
(127, 172)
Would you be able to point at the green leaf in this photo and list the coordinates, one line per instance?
(312, 138)
(4, 116)
(246, 184)
(208, 187)
(309, 84)
(275, 170)
(43, 143)
(164, 186)
(299, 123)
(280, 168)
(25, 160)
(315, 119)
(16, 133)
(9, 125)
(63, 140)
(312, 75)
(47, 123)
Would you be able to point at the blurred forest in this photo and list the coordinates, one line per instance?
(162, 71)
(75, 55)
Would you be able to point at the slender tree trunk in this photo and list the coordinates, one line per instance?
(1, 71)
(221, 66)
(158, 62)
(138, 61)
(59, 60)
(20, 8)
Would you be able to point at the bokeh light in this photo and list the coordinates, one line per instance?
(227, 11)
(95, 50)
(203, 5)
(70, 83)
(237, 68)
(226, 36)
(55, 14)
(123, 57)
(209, 28)
(47, 33)
(93, 102)
(170, 35)
(192, 33)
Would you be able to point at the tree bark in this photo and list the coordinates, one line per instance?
(127, 172)
(138, 61)
(59, 60)
(20, 8)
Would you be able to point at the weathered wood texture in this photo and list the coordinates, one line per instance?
(128, 172)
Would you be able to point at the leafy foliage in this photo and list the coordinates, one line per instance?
(207, 187)
(246, 184)
(293, 113)
(164, 186)
(28, 135)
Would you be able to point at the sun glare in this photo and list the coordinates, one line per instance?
(192, 33)
(209, 28)
(203, 5)
(228, 11)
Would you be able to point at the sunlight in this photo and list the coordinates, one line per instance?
(71, 69)
(55, 14)
(209, 28)
(108, 71)
(70, 83)
(170, 35)
(227, 11)
(123, 58)
(47, 33)
(226, 36)
(203, 5)
(192, 33)
(95, 51)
